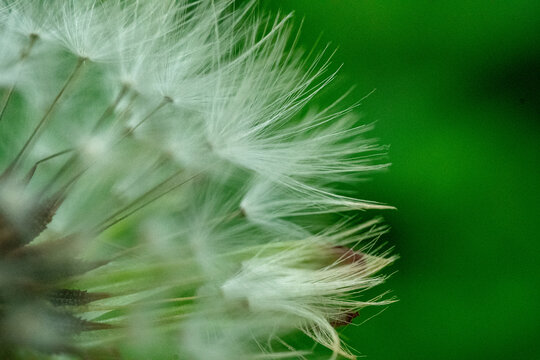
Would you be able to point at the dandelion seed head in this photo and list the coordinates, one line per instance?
(25, 18)
(164, 175)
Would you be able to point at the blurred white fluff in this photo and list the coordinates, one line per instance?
(24, 17)
(313, 296)
(271, 204)
(259, 123)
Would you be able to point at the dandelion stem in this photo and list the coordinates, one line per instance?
(141, 197)
(170, 300)
(59, 173)
(124, 114)
(46, 116)
(24, 55)
(62, 193)
(166, 100)
(5, 100)
(133, 211)
(103, 117)
(123, 91)
(30, 174)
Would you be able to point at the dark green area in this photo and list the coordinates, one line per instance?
(458, 99)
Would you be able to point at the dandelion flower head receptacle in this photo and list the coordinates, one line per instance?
(169, 188)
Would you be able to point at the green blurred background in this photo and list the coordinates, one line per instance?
(458, 99)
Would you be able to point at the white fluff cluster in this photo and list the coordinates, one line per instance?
(171, 151)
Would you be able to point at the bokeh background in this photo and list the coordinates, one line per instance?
(458, 98)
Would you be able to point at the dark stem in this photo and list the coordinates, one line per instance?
(59, 173)
(110, 109)
(24, 54)
(46, 116)
(30, 174)
(103, 117)
(140, 198)
(157, 197)
(166, 100)
(111, 220)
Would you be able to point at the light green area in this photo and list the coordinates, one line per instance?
(458, 99)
